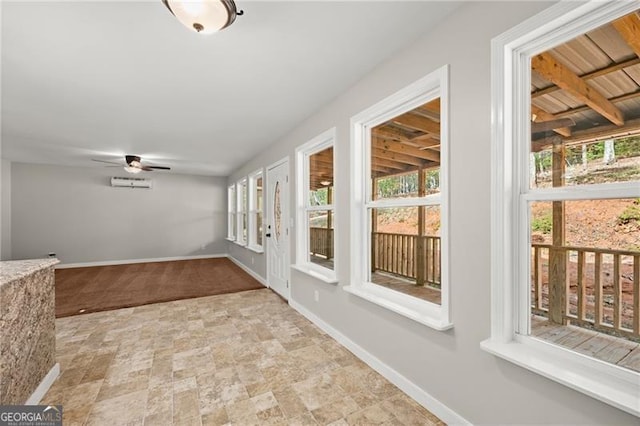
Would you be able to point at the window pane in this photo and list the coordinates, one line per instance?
(321, 177)
(321, 238)
(614, 160)
(403, 147)
(244, 227)
(258, 223)
(583, 257)
(232, 225)
(259, 194)
(244, 196)
(404, 257)
(232, 199)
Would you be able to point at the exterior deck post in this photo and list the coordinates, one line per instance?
(329, 224)
(374, 226)
(557, 255)
(421, 255)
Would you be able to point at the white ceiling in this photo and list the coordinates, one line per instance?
(104, 79)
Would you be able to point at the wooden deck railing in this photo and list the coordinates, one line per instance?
(602, 288)
(411, 256)
(321, 242)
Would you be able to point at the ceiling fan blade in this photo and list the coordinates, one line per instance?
(159, 167)
(108, 162)
(545, 126)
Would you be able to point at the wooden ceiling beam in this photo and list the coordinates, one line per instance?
(555, 72)
(629, 29)
(403, 158)
(431, 106)
(425, 141)
(631, 128)
(390, 132)
(572, 111)
(391, 164)
(402, 148)
(590, 75)
(417, 122)
(542, 115)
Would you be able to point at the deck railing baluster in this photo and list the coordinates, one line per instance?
(636, 295)
(580, 288)
(617, 293)
(597, 290)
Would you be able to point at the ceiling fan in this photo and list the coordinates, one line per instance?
(134, 164)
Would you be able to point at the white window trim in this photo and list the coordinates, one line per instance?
(241, 208)
(430, 87)
(319, 143)
(510, 111)
(251, 231)
(231, 212)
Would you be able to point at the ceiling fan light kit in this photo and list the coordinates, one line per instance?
(204, 16)
(132, 169)
(133, 164)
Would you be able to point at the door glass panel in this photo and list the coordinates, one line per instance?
(277, 212)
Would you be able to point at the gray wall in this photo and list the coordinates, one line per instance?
(74, 212)
(450, 366)
(5, 210)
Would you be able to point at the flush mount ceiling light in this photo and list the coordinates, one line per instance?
(204, 16)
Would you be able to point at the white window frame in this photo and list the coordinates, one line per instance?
(435, 85)
(510, 195)
(241, 210)
(231, 211)
(253, 211)
(303, 207)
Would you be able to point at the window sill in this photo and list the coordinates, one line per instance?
(256, 249)
(230, 239)
(240, 243)
(328, 277)
(603, 381)
(426, 313)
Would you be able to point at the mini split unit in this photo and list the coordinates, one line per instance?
(127, 182)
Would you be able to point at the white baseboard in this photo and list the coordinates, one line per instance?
(132, 261)
(44, 386)
(443, 412)
(245, 268)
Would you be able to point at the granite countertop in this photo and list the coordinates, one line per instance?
(12, 270)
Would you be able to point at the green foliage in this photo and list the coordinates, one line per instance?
(631, 213)
(595, 151)
(407, 185)
(628, 147)
(543, 224)
(398, 186)
(319, 197)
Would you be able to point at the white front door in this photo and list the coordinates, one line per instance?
(277, 231)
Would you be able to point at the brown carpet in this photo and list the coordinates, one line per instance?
(102, 288)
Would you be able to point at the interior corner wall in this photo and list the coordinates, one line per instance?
(75, 213)
(5, 210)
(449, 366)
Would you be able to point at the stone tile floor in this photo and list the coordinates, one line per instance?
(243, 358)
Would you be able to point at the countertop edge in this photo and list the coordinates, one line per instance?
(12, 270)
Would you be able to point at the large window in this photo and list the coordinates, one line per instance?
(255, 211)
(241, 211)
(231, 210)
(566, 197)
(315, 244)
(399, 223)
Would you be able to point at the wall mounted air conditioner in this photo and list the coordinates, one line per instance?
(126, 182)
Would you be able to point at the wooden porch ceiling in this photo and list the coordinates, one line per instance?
(594, 81)
(401, 145)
